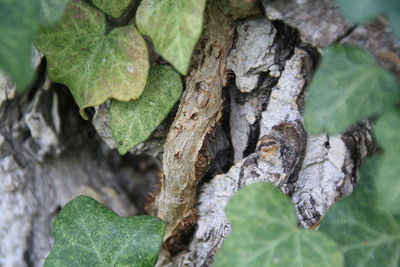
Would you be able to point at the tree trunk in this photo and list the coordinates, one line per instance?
(239, 121)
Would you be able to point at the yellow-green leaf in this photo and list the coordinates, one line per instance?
(174, 26)
(94, 66)
(114, 8)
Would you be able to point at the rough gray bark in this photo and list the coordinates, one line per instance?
(48, 156)
(239, 122)
(315, 171)
(319, 21)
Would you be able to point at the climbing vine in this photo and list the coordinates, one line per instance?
(96, 52)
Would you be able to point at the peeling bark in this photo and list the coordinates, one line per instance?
(330, 172)
(327, 173)
(281, 142)
(257, 59)
(198, 113)
(239, 122)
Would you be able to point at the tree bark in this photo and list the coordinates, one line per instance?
(239, 121)
(49, 155)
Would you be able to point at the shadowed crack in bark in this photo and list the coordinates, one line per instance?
(198, 114)
(314, 171)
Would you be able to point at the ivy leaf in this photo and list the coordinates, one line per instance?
(265, 233)
(363, 11)
(94, 66)
(174, 27)
(394, 18)
(366, 236)
(89, 234)
(347, 87)
(18, 26)
(51, 10)
(133, 122)
(387, 131)
(113, 8)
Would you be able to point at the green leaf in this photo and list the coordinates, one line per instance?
(387, 131)
(133, 122)
(347, 87)
(51, 10)
(393, 16)
(18, 25)
(113, 8)
(93, 65)
(363, 11)
(366, 236)
(265, 233)
(89, 234)
(174, 27)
